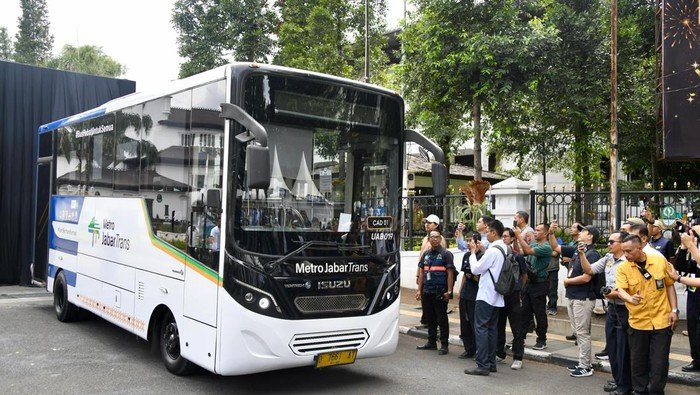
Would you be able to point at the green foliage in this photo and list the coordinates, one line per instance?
(469, 213)
(87, 59)
(5, 45)
(209, 31)
(327, 36)
(33, 42)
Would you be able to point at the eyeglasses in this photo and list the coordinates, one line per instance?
(613, 241)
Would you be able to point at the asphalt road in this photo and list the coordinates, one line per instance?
(39, 355)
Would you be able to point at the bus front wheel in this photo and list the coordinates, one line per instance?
(65, 310)
(170, 347)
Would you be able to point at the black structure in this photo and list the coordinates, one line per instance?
(29, 97)
(681, 79)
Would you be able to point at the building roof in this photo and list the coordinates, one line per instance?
(418, 164)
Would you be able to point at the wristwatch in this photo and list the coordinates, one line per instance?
(676, 310)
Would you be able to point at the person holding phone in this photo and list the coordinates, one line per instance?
(482, 227)
(686, 262)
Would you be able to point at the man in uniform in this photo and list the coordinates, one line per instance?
(436, 276)
(647, 289)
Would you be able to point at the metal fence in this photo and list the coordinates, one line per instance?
(591, 208)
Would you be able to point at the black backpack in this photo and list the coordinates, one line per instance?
(509, 272)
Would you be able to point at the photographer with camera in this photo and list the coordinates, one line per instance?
(687, 262)
(535, 290)
(436, 276)
(467, 300)
(616, 322)
(581, 294)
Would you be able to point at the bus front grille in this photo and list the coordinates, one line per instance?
(320, 342)
(330, 303)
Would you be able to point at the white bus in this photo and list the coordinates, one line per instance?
(244, 219)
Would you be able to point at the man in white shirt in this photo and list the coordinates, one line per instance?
(488, 301)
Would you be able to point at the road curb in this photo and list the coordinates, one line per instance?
(690, 379)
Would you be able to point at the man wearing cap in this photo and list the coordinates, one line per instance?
(435, 280)
(581, 295)
(431, 223)
(631, 221)
(659, 242)
(616, 323)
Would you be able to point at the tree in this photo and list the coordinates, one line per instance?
(327, 36)
(461, 57)
(209, 31)
(33, 42)
(87, 59)
(5, 45)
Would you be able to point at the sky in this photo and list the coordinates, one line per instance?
(137, 33)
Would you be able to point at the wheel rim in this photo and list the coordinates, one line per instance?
(171, 340)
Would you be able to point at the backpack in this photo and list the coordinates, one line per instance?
(509, 272)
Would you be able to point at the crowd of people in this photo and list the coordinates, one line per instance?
(636, 278)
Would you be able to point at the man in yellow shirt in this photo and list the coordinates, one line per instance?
(647, 289)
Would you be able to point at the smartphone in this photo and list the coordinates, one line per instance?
(680, 227)
(642, 207)
(515, 224)
(476, 237)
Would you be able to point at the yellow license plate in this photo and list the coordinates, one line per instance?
(336, 358)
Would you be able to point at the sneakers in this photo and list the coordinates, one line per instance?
(573, 368)
(603, 355)
(552, 312)
(500, 360)
(517, 365)
(443, 351)
(581, 372)
(610, 386)
(467, 355)
(539, 346)
(571, 337)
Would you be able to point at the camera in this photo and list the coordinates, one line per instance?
(605, 290)
(582, 245)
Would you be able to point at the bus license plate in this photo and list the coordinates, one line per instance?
(336, 358)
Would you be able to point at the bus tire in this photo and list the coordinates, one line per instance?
(169, 343)
(65, 310)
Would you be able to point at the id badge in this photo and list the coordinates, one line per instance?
(427, 276)
(659, 284)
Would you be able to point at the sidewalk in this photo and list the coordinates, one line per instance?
(559, 351)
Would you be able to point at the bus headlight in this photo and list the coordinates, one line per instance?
(264, 303)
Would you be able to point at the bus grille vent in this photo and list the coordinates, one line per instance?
(140, 291)
(330, 303)
(320, 342)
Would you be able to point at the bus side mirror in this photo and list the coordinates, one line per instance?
(257, 163)
(439, 179)
(214, 199)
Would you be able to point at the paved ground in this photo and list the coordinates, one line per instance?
(39, 355)
(559, 350)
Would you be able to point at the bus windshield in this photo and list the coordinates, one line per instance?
(335, 182)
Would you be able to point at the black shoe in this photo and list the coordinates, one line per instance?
(467, 355)
(477, 372)
(427, 346)
(539, 346)
(616, 392)
(571, 337)
(610, 387)
(691, 367)
(603, 355)
(443, 351)
(493, 370)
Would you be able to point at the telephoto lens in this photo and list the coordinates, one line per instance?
(605, 290)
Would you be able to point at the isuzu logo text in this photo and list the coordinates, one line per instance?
(334, 284)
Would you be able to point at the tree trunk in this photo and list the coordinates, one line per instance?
(476, 123)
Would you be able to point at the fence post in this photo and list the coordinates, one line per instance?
(533, 203)
(410, 223)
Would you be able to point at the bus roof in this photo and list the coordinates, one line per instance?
(193, 81)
